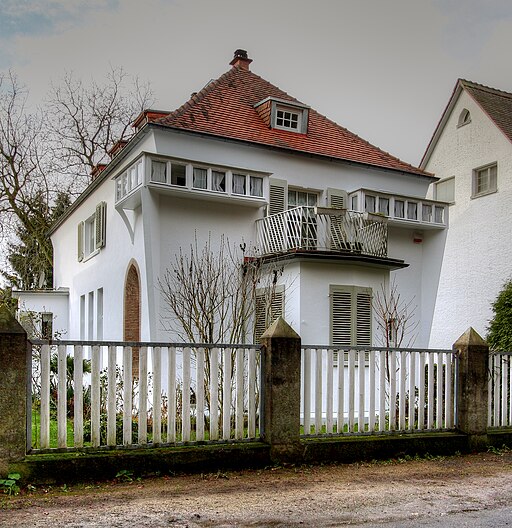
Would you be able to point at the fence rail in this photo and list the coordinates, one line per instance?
(323, 229)
(376, 390)
(500, 381)
(112, 393)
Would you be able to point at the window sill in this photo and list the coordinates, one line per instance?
(479, 195)
(91, 255)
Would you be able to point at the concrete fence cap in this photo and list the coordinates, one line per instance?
(280, 328)
(470, 338)
(8, 323)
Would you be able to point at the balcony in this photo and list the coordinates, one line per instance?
(323, 230)
(401, 210)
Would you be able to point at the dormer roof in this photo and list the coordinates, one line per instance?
(234, 107)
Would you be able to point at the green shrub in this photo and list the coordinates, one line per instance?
(499, 334)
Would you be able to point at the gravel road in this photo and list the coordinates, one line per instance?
(439, 492)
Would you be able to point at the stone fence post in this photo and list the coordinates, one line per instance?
(281, 391)
(473, 388)
(14, 365)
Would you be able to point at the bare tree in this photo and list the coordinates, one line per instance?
(85, 121)
(395, 318)
(210, 294)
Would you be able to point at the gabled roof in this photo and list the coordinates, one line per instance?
(226, 107)
(497, 104)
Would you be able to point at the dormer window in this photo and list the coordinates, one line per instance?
(283, 115)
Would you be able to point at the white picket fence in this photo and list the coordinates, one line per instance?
(500, 379)
(181, 393)
(375, 390)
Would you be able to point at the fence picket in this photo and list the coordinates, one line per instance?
(340, 423)
(226, 395)
(143, 396)
(239, 414)
(127, 395)
(421, 399)
(382, 390)
(200, 374)
(251, 410)
(361, 389)
(307, 391)
(412, 390)
(78, 396)
(392, 390)
(439, 387)
(95, 396)
(185, 397)
(372, 386)
(330, 386)
(45, 397)
(111, 397)
(448, 393)
(61, 396)
(504, 387)
(171, 384)
(430, 392)
(351, 389)
(318, 391)
(157, 395)
(402, 395)
(214, 394)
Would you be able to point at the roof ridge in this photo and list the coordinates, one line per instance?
(483, 87)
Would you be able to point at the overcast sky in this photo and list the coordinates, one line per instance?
(384, 69)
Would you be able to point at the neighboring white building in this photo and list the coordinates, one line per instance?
(237, 160)
(471, 153)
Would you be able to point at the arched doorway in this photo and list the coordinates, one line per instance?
(131, 322)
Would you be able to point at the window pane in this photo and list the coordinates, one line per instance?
(292, 199)
(302, 198)
(426, 213)
(200, 178)
(384, 206)
(445, 190)
(218, 181)
(369, 203)
(354, 203)
(256, 184)
(412, 210)
(159, 171)
(178, 174)
(239, 183)
(399, 209)
(439, 215)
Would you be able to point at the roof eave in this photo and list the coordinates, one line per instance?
(218, 137)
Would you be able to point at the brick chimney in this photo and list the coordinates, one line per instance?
(241, 60)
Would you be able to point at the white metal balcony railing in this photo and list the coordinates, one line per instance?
(323, 229)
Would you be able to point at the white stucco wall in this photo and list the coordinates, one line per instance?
(476, 261)
(167, 222)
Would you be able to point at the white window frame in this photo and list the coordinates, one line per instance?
(445, 181)
(130, 179)
(292, 116)
(492, 180)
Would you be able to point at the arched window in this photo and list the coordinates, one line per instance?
(464, 118)
(131, 325)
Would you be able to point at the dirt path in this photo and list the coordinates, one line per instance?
(278, 497)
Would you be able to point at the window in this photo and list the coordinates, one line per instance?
(91, 234)
(464, 118)
(219, 181)
(384, 206)
(178, 174)
(269, 306)
(46, 325)
(200, 180)
(238, 183)
(287, 119)
(130, 179)
(485, 180)
(412, 210)
(301, 198)
(351, 316)
(399, 209)
(445, 190)
(90, 316)
(354, 203)
(369, 203)
(439, 215)
(426, 213)
(256, 186)
(158, 171)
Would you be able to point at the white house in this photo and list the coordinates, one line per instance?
(471, 153)
(244, 159)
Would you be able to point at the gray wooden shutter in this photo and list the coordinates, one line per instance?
(363, 319)
(260, 319)
(276, 307)
(341, 317)
(80, 240)
(100, 222)
(337, 198)
(277, 198)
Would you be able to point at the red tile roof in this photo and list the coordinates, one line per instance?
(225, 108)
(495, 103)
